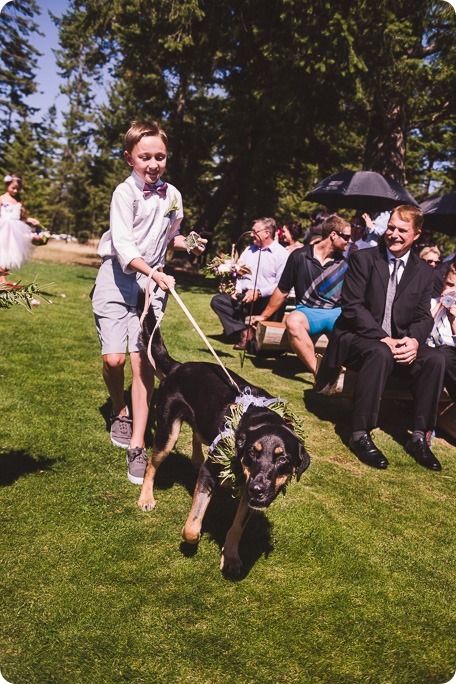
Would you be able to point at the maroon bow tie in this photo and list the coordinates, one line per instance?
(150, 188)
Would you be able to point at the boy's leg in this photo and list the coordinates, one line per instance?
(113, 375)
(142, 387)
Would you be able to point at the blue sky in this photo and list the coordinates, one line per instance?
(47, 78)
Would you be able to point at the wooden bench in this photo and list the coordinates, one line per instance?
(273, 337)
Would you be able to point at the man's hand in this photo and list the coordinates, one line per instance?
(250, 296)
(256, 319)
(391, 342)
(406, 350)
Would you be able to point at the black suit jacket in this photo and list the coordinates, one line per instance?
(364, 297)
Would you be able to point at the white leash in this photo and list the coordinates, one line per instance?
(190, 318)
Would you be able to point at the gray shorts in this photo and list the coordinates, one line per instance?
(114, 299)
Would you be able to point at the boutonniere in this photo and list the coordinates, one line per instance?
(174, 206)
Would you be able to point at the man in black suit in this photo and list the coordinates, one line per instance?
(383, 328)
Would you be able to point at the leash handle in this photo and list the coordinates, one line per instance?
(190, 318)
(202, 335)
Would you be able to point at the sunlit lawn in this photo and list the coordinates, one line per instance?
(350, 577)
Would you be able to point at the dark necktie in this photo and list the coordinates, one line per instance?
(390, 294)
(150, 188)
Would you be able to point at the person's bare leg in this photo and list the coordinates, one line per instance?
(142, 387)
(114, 376)
(300, 341)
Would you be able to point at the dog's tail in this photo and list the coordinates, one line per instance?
(164, 364)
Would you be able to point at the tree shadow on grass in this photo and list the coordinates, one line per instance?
(15, 464)
(394, 418)
(284, 365)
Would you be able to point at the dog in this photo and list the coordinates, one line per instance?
(201, 394)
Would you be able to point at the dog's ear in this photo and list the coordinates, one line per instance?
(242, 429)
(241, 439)
(303, 462)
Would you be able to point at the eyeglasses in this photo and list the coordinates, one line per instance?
(344, 236)
(432, 261)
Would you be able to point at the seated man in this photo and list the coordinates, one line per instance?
(316, 273)
(443, 335)
(265, 258)
(384, 325)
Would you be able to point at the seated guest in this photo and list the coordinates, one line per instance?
(443, 335)
(440, 272)
(265, 258)
(431, 255)
(384, 325)
(316, 273)
(375, 228)
(292, 233)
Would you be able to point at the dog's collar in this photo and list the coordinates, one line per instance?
(244, 400)
(223, 448)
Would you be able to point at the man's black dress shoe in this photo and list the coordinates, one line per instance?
(368, 453)
(422, 454)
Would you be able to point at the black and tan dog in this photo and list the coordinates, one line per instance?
(201, 394)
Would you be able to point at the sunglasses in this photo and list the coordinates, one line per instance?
(432, 261)
(344, 236)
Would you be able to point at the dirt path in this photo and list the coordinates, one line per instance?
(68, 253)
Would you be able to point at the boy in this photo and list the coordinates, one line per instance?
(145, 217)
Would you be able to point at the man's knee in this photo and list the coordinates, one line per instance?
(381, 354)
(220, 302)
(297, 323)
(434, 360)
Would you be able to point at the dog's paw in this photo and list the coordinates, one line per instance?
(190, 536)
(146, 504)
(231, 566)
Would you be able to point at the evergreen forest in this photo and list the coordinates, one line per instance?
(260, 99)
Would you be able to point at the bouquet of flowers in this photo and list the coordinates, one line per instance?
(40, 238)
(15, 293)
(228, 270)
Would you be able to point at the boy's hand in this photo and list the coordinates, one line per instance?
(195, 244)
(164, 281)
(199, 247)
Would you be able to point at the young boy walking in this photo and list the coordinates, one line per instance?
(145, 217)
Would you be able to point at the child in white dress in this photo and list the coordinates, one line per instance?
(15, 228)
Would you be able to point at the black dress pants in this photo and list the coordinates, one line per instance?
(374, 363)
(232, 315)
(449, 382)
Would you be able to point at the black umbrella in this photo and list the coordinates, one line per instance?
(440, 213)
(365, 190)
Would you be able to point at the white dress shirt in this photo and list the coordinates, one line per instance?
(269, 261)
(141, 227)
(403, 259)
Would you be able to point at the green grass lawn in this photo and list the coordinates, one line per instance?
(350, 576)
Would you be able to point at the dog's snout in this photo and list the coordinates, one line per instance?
(256, 487)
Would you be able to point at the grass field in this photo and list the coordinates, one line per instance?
(350, 576)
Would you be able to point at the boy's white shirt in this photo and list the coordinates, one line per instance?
(141, 227)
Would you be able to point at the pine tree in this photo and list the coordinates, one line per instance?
(18, 62)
